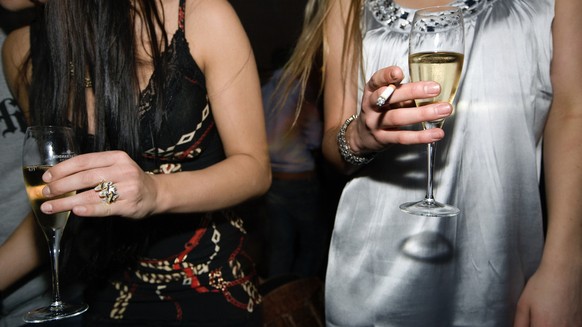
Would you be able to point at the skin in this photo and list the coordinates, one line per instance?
(553, 295)
(15, 5)
(230, 74)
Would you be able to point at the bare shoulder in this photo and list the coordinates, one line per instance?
(208, 9)
(210, 18)
(212, 27)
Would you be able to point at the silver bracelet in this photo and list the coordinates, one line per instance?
(344, 148)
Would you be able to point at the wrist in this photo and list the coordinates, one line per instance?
(346, 151)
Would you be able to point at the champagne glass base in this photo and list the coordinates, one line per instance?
(54, 312)
(429, 209)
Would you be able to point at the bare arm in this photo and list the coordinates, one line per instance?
(553, 296)
(20, 254)
(224, 52)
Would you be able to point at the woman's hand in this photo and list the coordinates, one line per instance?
(379, 126)
(136, 189)
(552, 297)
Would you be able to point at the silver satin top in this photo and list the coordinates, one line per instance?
(388, 268)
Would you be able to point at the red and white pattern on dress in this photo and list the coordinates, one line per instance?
(178, 269)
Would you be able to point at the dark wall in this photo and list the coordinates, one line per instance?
(272, 27)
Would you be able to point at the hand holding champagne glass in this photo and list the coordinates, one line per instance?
(436, 53)
(44, 147)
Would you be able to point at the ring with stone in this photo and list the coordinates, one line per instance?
(107, 191)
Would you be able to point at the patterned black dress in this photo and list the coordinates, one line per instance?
(195, 271)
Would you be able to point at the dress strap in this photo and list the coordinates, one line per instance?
(181, 14)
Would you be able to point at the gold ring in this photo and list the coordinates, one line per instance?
(107, 191)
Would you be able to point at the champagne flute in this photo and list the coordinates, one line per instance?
(436, 53)
(45, 146)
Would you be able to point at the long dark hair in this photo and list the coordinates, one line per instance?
(75, 43)
(93, 41)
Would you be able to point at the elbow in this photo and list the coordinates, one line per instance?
(262, 180)
(265, 179)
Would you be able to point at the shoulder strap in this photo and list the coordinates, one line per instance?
(181, 13)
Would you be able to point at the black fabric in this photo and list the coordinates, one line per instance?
(166, 270)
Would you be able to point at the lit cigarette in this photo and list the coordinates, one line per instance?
(385, 95)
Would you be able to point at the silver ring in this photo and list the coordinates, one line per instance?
(107, 191)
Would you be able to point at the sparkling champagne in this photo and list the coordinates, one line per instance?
(34, 185)
(441, 67)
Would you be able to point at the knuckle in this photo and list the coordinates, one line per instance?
(119, 156)
(372, 85)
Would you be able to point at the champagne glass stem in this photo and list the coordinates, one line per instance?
(55, 248)
(431, 154)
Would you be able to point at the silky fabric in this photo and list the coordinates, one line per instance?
(473, 267)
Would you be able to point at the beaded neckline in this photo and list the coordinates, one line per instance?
(390, 14)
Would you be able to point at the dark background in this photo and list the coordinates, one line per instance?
(272, 27)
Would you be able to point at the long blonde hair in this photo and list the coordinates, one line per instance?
(311, 49)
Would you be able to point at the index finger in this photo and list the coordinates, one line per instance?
(80, 163)
(404, 93)
(415, 90)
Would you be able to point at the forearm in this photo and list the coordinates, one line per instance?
(562, 145)
(225, 184)
(340, 88)
(21, 253)
(563, 171)
(331, 151)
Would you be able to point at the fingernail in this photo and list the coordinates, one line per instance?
(393, 74)
(435, 134)
(47, 176)
(432, 89)
(46, 191)
(46, 208)
(443, 109)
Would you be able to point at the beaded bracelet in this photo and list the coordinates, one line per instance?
(344, 148)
